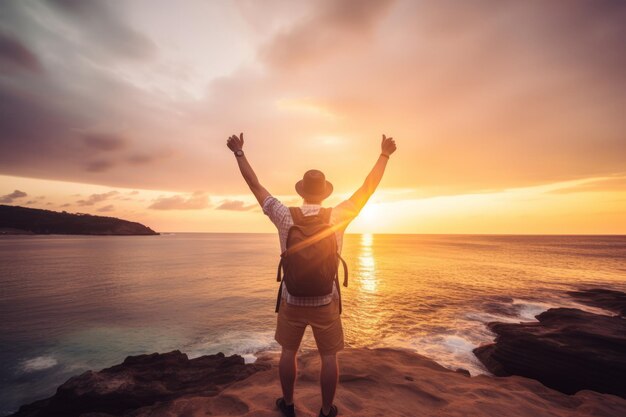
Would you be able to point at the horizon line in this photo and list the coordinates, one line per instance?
(422, 234)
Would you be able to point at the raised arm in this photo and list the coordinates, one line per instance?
(235, 144)
(360, 197)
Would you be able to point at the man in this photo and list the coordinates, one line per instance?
(322, 313)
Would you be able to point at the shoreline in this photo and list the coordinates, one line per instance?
(523, 383)
(372, 382)
(594, 302)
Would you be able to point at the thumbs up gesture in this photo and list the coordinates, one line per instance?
(387, 146)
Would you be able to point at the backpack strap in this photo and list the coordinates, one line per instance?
(296, 215)
(345, 280)
(324, 213)
(280, 265)
(278, 299)
(278, 279)
(345, 271)
(338, 292)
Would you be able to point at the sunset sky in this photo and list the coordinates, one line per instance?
(510, 117)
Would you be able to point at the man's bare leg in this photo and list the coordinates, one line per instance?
(287, 372)
(328, 380)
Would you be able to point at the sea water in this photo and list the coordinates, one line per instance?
(73, 303)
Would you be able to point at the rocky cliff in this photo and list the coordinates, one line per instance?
(567, 349)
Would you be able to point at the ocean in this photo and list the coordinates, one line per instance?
(73, 303)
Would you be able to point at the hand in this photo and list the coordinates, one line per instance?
(387, 146)
(235, 143)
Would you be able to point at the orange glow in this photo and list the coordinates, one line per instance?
(499, 130)
(583, 206)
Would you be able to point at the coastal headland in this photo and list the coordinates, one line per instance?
(16, 220)
(377, 382)
(373, 382)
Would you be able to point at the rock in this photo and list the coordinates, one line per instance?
(141, 381)
(463, 371)
(568, 350)
(373, 382)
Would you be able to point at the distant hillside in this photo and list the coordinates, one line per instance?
(19, 220)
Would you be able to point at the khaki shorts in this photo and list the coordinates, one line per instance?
(324, 320)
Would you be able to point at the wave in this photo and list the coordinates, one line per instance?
(243, 343)
(38, 363)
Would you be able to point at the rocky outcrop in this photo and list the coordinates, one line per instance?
(567, 349)
(372, 382)
(142, 381)
(573, 351)
(24, 220)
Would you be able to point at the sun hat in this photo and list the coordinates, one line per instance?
(313, 185)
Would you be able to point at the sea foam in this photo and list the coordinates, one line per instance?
(38, 363)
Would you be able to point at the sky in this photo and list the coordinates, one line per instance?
(509, 116)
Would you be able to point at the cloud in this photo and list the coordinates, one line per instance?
(235, 205)
(104, 141)
(106, 208)
(102, 26)
(143, 158)
(9, 198)
(140, 159)
(335, 25)
(196, 201)
(478, 97)
(27, 125)
(97, 198)
(596, 185)
(14, 56)
(100, 165)
(43, 114)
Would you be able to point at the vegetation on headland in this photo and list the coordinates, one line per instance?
(24, 220)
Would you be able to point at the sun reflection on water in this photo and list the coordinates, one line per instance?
(367, 264)
(365, 315)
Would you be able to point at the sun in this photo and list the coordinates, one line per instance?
(369, 218)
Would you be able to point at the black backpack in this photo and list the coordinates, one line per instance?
(310, 264)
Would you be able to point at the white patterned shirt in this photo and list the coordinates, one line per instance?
(341, 215)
